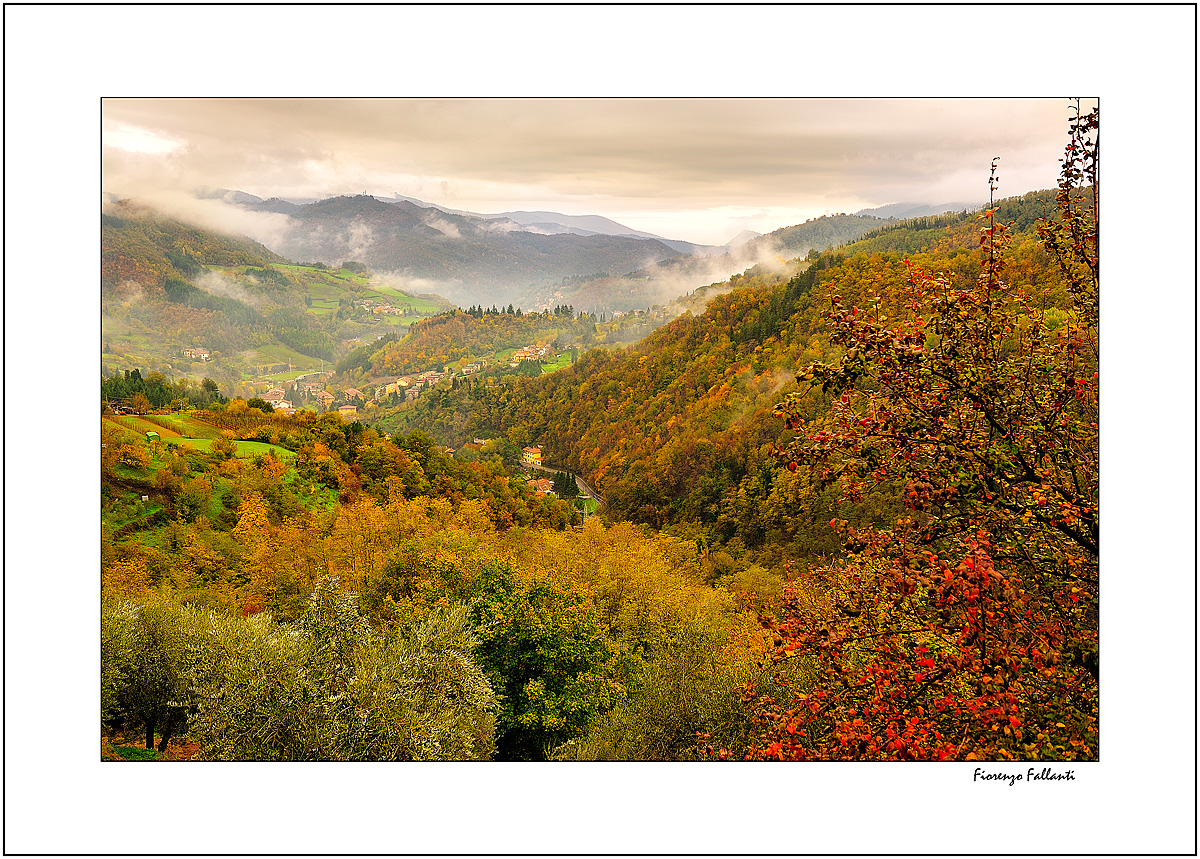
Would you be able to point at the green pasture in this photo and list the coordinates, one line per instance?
(281, 376)
(277, 353)
(322, 306)
(179, 430)
(128, 508)
(243, 449)
(329, 275)
(397, 298)
(561, 362)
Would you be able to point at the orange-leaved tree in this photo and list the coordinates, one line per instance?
(968, 627)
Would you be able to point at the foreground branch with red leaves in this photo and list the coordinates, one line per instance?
(967, 628)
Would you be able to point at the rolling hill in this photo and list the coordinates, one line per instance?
(171, 291)
(469, 259)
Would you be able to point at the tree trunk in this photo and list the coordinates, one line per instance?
(175, 718)
(151, 720)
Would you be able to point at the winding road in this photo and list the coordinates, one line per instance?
(584, 488)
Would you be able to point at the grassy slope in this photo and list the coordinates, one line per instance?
(185, 430)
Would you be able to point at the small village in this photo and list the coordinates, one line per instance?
(311, 388)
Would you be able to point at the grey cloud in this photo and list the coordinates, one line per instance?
(444, 227)
(213, 282)
(597, 155)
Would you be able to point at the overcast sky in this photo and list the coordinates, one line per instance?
(695, 169)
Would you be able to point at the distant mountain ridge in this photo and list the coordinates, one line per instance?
(900, 211)
(538, 257)
(741, 239)
(470, 259)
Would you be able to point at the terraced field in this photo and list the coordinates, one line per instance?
(188, 431)
(244, 449)
(143, 425)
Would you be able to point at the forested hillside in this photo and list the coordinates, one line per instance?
(254, 560)
(852, 513)
(460, 336)
(680, 430)
(169, 289)
(474, 260)
(666, 280)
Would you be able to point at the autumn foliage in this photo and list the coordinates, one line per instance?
(927, 486)
(967, 628)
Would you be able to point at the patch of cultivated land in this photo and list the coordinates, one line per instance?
(558, 363)
(277, 353)
(187, 431)
(243, 449)
(143, 425)
(185, 425)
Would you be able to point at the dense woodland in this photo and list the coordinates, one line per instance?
(459, 336)
(852, 514)
(604, 294)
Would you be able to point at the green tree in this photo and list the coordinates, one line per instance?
(548, 655)
(329, 688)
(564, 485)
(144, 668)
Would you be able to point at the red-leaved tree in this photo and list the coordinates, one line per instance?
(967, 628)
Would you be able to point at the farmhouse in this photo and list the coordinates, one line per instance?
(348, 411)
(196, 354)
(532, 455)
(529, 353)
(543, 485)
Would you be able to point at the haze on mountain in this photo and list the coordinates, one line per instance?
(524, 257)
(498, 200)
(917, 210)
(551, 223)
(465, 258)
(534, 259)
(695, 170)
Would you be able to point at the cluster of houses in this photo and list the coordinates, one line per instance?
(532, 456)
(410, 386)
(196, 354)
(529, 353)
(380, 308)
(312, 385)
(413, 386)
